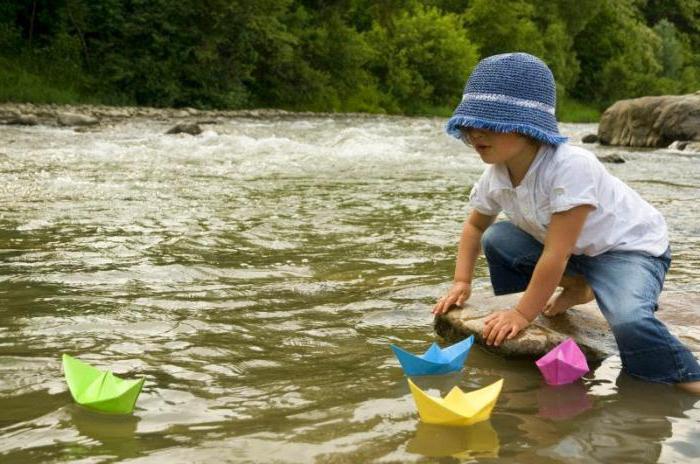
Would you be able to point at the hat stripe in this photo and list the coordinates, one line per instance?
(500, 98)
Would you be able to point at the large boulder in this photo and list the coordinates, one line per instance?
(585, 324)
(651, 121)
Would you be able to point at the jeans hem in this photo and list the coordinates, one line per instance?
(690, 378)
(666, 380)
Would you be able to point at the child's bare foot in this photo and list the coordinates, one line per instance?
(575, 292)
(690, 387)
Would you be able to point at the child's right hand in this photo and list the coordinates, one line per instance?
(458, 294)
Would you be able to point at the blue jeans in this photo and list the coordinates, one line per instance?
(626, 286)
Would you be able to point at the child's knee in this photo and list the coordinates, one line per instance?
(497, 236)
(505, 240)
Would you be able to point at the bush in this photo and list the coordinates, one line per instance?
(424, 58)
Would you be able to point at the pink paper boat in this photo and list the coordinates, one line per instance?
(564, 364)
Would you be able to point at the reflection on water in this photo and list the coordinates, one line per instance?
(563, 402)
(475, 441)
(113, 431)
(256, 274)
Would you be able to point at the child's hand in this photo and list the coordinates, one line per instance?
(458, 294)
(503, 325)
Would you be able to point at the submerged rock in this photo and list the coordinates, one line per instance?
(186, 128)
(23, 120)
(684, 145)
(651, 121)
(589, 138)
(585, 324)
(614, 158)
(73, 119)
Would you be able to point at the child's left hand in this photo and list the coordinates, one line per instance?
(503, 325)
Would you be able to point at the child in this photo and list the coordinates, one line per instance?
(570, 224)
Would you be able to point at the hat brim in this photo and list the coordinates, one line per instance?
(465, 116)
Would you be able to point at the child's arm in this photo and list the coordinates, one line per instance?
(468, 251)
(564, 229)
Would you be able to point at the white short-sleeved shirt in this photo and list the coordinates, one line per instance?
(561, 178)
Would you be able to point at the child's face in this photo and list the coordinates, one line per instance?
(498, 147)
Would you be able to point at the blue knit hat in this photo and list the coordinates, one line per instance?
(512, 92)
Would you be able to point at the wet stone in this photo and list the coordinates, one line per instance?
(585, 324)
(23, 120)
(614, 158)
(590, 138)
(73, 119)
(186, 128)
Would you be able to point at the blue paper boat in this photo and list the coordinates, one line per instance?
(436, 360)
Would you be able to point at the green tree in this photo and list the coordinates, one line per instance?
(195, 53)
(558, 27)
(684, 14)
(671, 50)
(409, 56)
(424, 60)
(329, 64)
(498, 29)
(618, 55)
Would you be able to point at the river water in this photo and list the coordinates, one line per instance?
(256, 274)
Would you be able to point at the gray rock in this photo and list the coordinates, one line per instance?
(651, 121)
(589, 138)
(187, 128)
(23, 120)
(84, 129)
(678, 145)
(685, 145)
(692, 147)
(585, 324)
(614, 158)
(73, 119)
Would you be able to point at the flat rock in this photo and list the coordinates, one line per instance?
(73, 119)
(585, 324)
(23, 120)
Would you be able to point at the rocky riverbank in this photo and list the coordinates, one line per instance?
(94, 115)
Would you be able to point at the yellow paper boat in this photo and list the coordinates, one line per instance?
(457, 408)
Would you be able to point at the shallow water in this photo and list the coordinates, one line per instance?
(256, 275)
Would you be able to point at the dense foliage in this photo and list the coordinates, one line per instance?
(397, 56)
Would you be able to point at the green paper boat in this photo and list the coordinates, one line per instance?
(99, 390)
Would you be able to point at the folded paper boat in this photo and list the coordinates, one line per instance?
(457, 408)
(436, 360)
(565, 363)
(100, 390)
